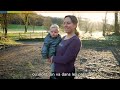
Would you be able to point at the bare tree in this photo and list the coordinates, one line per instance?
(33, 22)
(91, 27)
(24, 15)
(104, 24)
(116, 23)
(87, 25)
(4, 24)
(26, 22)
(47, 22)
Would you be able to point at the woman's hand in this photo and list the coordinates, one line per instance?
(50, 59)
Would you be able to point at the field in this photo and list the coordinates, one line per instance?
(16, 32)
(21, 28)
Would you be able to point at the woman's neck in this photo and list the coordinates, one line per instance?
(69, 35)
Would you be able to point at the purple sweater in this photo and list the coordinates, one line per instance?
(66, 54)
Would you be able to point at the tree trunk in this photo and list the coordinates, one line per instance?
(104, 24)
(3, 27)
(116, 24)
(5, 24)
(26, 22)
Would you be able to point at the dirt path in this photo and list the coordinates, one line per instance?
(24, 62)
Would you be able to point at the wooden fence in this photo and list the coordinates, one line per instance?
(31, 35)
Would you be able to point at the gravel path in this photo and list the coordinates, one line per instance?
(24, 62)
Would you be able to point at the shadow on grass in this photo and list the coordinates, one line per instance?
(35, 39)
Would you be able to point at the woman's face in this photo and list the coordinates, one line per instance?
(69, 27)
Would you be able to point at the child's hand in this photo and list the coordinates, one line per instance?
(49, 60)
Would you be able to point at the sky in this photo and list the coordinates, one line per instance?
(91, 15)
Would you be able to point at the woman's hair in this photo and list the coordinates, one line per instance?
(74, 21)
(54, 26)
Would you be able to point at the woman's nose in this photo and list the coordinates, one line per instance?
(65, 25)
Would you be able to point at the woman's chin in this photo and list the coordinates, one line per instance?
(66, 31)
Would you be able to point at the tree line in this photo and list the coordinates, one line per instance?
(30, 18)
(116, 27)
(27, 18)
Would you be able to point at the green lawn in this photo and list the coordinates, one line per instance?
(21, 28)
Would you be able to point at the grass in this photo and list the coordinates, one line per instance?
(14, 37)
(86, 42)
(106, 42)
(100, 43)
(13, 27)
(109, 41)
(8, 41)
(27, 35)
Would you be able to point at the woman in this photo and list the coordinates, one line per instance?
(67, 50)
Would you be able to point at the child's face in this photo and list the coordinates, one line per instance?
(54, 32)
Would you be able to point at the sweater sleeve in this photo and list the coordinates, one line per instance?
(45, 48)
(70, 53)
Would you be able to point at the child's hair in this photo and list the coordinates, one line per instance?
(54, 26)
